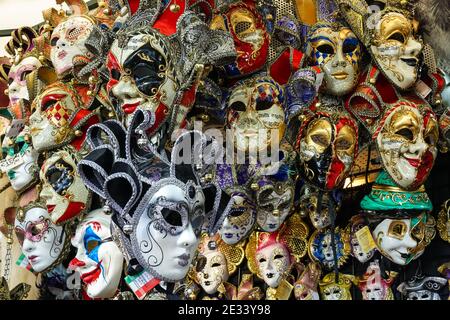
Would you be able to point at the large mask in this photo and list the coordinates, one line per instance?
(338, 52)
(98, 261)
(373, 286)
(330, 289)
(321, 247)
(327, 144)
(215, 262)
(422, 288)
(20, 160)
(68, 43)
(63, 191)
(270, 255)
(256, 114)
(240, 220)
(250, 36)
(43, 243)
(407, 143)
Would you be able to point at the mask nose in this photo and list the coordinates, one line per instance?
(418, 148)
(28, 246)
(339, 59)
(187, 238)
(125, 89)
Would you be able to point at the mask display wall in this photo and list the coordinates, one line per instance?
(99, 261)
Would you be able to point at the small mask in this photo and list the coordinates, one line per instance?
(330, 289)
(68, 42)
(250, 36)
(17, 87)
(422, 288)
(306, 286)
(98, 261)
(327, 143)
(240, 220)
(320, 219)
(256, 114)
(373, 286)
(63, 191)
(321, 249)
(43, 243)
(357, 251)
(338, 52)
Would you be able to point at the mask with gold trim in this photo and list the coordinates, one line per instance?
(330, 289)
(306, 285)
(373, 286)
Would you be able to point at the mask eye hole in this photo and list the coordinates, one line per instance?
(278, 256)
(350, 45)
(405, 133)
(37, 229)
(54, 41)
(92, 244)
(397, 229)
(397, 36)
(215, 265)
(320, 139)
(201, 262)
(263, 105)
(115, 74)
(262, 260)
(238, 106)
(242, 26)
(172, 217)
(325, 48)
(24, 75)
(343, 144)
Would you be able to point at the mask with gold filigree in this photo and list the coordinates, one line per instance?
(373, 286)
(270, 254)
(216, 261)
(251, 39)
(306, 285)
(327, 143)
(336, 289)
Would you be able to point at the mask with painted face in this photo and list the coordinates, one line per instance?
(373, 286)
(44, 244)
(422, 288)
(335, 49)
(215, 262)
(99, 261)
(306, 286)
(20, 160)
(63, 191)
(357, 222)
(270, 255)
(330, 289)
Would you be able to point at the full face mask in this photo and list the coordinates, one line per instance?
(20, 160)
(306, 286)
(60, 117)
(99, 261)
(330, 289)
(356, 224)
(43, 243)
(321, 247)
(68, 41)
(422, 288)
(338, 52)
(215, 262)
(373, 286)
(17, 88)
(270, 255)
(327, 143)
(391, 38)
(251, 39)
(256, 114)
(63, 191)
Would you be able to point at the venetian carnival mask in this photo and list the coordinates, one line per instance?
(362, 256)
(142, 75)
(20, 160)
(422, 288)
(63, 191)
(338, 52)
(240, 220)
(273, 261)
(250, 36)
(330, 289)
(396, 48)
(407, 144)
(99, 261)
(68, 42)
(306, 286)
(43, 243)
(256, 114)
(373, 286)
(17, 85)
(321, 247)
(327, 144)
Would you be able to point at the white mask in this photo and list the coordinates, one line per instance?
(214, 272)
(274, 205)
(17, 88)
(42, 241)
(99, 261)
(273, 261)
(68, 41)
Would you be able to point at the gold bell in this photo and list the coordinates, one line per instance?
(92, 79)
(89, 93)
(205, 118)
(6, 91)
(78, 133)
(269, 17)
(174, 8)
(20, 50)
(111, 114)
(403, 2)
(301, 117)
(208, 177)
(42, 58)
(318, 104)
(372, 80)
(254, 186)
(107, 12)
(438, 101)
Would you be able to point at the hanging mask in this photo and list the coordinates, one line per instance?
(373, 286)
(327, 144)
(20, 160)
(68, 43)
(330, 289)
(321, 248)
(63, 191)
(250, 36)
(306, 286)
(357, 223)
(422, 288)
(215, 262)
(17, 88)
(240, 220)
(98, 261)
(338, 52)
(256, 114)
(270, 255)
(43, 243)
(59, 117)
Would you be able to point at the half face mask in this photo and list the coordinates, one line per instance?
(422, 288)
(240, 220)
(250, 36)
(17, 85)
(327, 144)
(338, 52)
(99, 261)
(407, 143)
(63, 191)
(373, 286)
(43, 243)
(332, 290)
(321, 249)
(68, 42)
(20, 160)
(256, 114)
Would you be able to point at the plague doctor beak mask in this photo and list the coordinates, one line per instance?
(159, 206)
